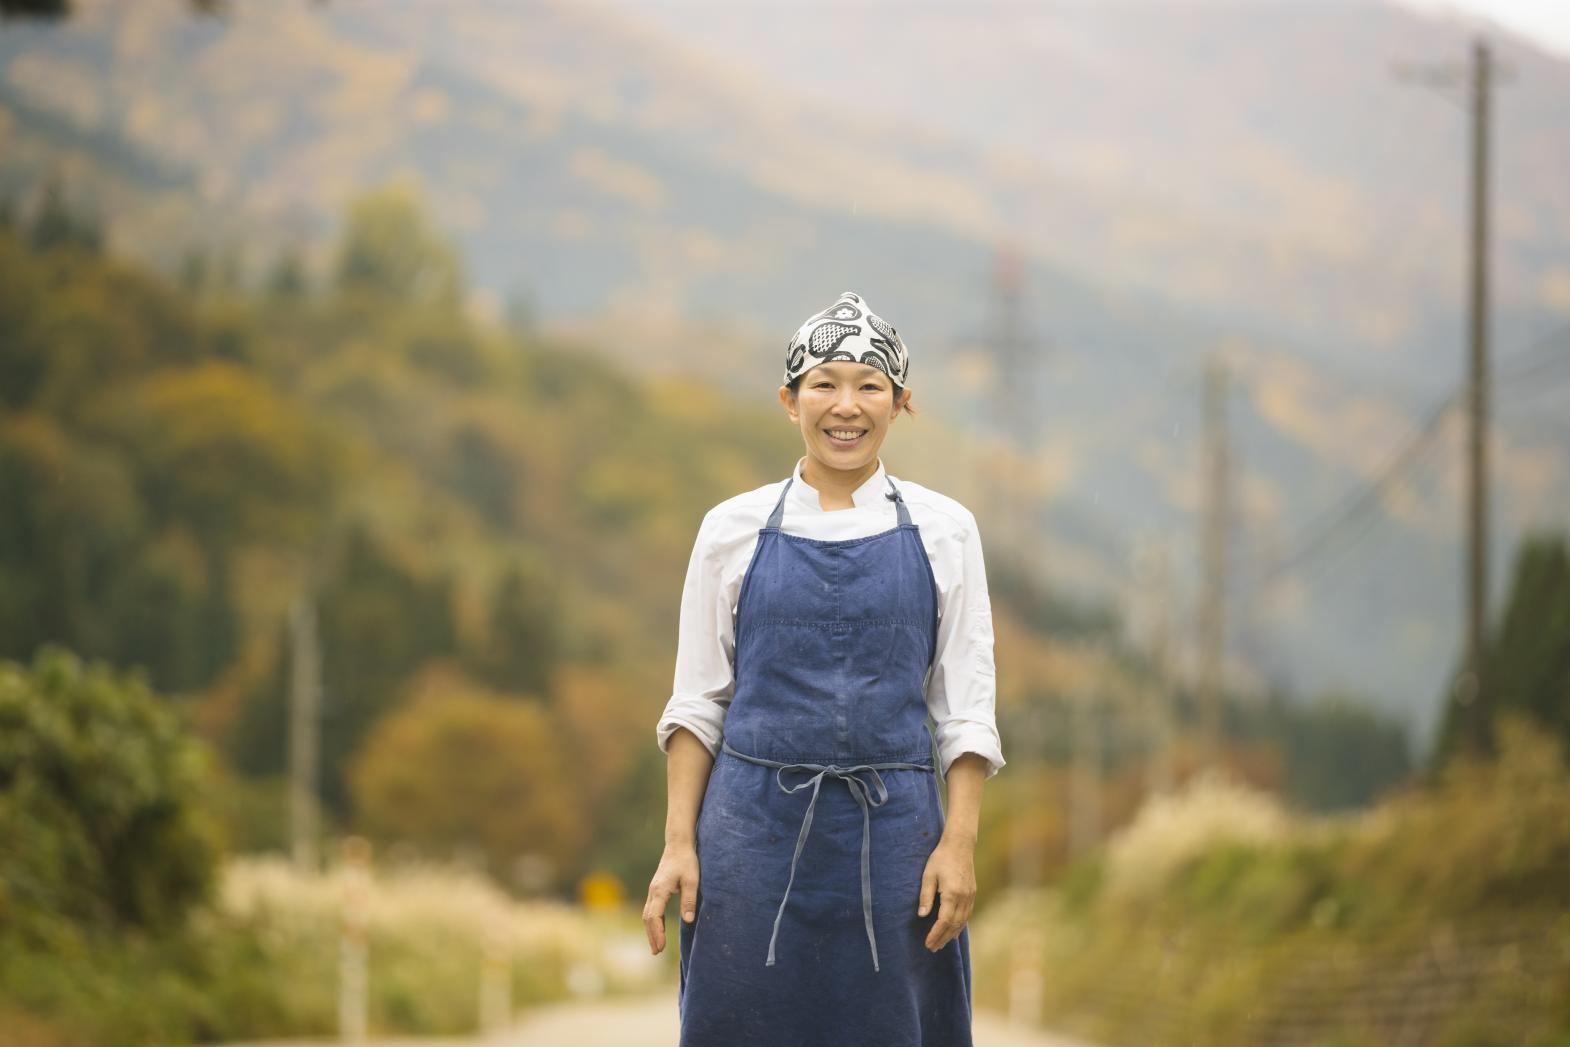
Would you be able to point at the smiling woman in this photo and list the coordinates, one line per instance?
(802, 775)
(844, 414)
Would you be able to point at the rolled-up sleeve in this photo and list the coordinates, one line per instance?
(962, 690)
(705, 648)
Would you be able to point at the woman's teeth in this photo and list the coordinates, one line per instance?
(845, 434)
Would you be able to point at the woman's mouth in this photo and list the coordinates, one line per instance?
(843, 438)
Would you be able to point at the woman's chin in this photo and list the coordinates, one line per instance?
(844, 463)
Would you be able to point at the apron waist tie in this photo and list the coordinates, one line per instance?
(868, 794)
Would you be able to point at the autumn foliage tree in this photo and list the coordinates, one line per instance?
(136, 455)
(456, 769)
(389, 250)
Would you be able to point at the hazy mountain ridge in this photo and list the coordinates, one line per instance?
(1277, 135)
(645, 202)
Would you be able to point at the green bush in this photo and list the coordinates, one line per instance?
(99, 822)
(104, 851)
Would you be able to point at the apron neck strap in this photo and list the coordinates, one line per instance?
(779, 508)
(899, 502)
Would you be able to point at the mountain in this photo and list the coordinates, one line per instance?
(683, 184)
(1262, 160)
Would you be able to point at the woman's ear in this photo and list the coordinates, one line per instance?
(788, 399)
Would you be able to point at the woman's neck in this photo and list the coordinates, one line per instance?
(835, 486)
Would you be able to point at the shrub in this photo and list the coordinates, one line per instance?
(99, 821)
(1172, 830)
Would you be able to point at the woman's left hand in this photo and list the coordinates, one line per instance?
(951, 875)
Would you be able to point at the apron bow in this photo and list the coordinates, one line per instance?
(868, 794)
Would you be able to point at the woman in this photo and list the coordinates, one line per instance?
(823, 893)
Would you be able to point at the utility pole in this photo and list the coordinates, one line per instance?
(1014, 371)
(1013, 368)
(1212, 620)
(1153, 594)
(304, 733)
(1085, 774)
(1470, 693)
(1477, 713)
(1161, 775)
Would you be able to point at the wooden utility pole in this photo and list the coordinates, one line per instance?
(1212, 619)
(1156, 582)
(1014, 369)
(1085, 773)
(1477, 713)
(304, 734)
(1014, 363)
(1470, 693)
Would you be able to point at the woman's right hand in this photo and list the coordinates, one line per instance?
(677, 874)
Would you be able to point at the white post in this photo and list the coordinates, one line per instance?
(304, 729)
(495, 980)
(1025, 974)
(353, 997)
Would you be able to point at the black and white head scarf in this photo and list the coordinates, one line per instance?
(847, 330)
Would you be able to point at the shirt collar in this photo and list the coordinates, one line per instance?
(869, 494)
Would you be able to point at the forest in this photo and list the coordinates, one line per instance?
(492, 528)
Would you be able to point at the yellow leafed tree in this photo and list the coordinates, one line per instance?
(457, 769)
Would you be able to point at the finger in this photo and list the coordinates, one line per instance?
(956, 925)
(654, 926)
(659, 895)
(654, 915)
(939, 935)
(961, 918)
(929, 887)
(689, 899)
(935, 932)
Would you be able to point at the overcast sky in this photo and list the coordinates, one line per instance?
(1545, 21)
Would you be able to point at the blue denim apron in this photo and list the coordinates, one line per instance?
(822, 809)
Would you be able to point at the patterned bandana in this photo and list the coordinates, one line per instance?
(847, 330)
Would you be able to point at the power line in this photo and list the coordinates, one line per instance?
(1326, 526)
(1359, 528)
(1533, 365)
(1543, 355)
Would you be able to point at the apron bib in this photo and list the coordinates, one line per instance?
(822, 809)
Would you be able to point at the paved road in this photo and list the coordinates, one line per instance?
(652, 1022)
(649, 1022)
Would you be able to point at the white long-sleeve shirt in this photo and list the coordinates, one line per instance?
(961, 693)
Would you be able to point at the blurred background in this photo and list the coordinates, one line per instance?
(366, 370)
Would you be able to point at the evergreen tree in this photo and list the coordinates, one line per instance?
(195, 271)
(1339, 753)
(1526, 666)
(379, 623)
(34, 9)
(56, 224)
(288, 281)
(390, 251)
(524, 644)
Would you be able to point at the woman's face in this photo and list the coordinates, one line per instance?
(844, 410)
